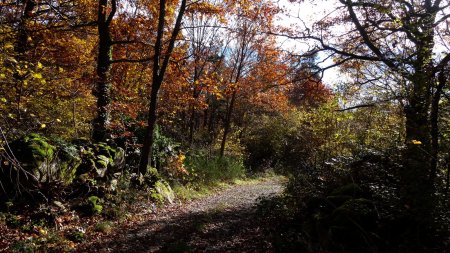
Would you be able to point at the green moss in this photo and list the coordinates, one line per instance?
(38, 148)
(94, 203)
(69, 160)
(98, 158)
(162, 192)
(36, 156)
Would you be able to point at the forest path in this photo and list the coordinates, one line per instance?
(226, 221)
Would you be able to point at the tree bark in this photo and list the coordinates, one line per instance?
(158, 72)
(227, 122)
(102, 90)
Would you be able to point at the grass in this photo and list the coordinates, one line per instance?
(211, 170)
(211, 175)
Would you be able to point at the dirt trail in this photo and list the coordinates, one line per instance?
(223, 222)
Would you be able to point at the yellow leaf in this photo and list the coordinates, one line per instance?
(2, 75)
(43, 125)
(42, 231)
(37, 75)
(416, 142)
(8, 46)
(39, 65)
(58, 120)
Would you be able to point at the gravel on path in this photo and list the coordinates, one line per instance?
(223, 222)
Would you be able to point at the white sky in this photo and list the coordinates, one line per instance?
(299, 15)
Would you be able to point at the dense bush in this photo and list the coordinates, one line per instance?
(208, 169)
(351, 204)
(279, 142)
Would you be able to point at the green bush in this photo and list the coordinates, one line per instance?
(277, 142)
(208, 170)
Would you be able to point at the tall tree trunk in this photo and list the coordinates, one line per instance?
(103, 87)
(149, 134)
(416, 187)
(227, 122)
(158, 72)
(22, 37)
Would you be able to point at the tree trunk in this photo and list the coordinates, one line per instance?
(103, 87)
(149, 134)
(416, 187)
(227, 123)
(192, 119)
(158, 72)
(22, 37)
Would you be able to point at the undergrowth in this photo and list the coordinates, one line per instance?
(207, 173)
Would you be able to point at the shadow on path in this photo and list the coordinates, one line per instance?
(227, 230)
(225, 222)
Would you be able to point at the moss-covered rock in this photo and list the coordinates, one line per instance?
(162, 192)
(100, 158)
(47, 160)
(68, 161)
(36, 155)
(42, 160)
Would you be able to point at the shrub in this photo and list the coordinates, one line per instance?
(277, 142)
(208, 169)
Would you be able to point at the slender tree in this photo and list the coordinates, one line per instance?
(160, 64)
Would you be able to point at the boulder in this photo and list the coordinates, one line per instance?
(162, 192)
(36, 155)
(100, 158)
(46, 161)
(68, 160)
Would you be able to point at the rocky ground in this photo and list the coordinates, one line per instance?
(223, 222)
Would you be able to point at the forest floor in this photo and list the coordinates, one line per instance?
(225, 221)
